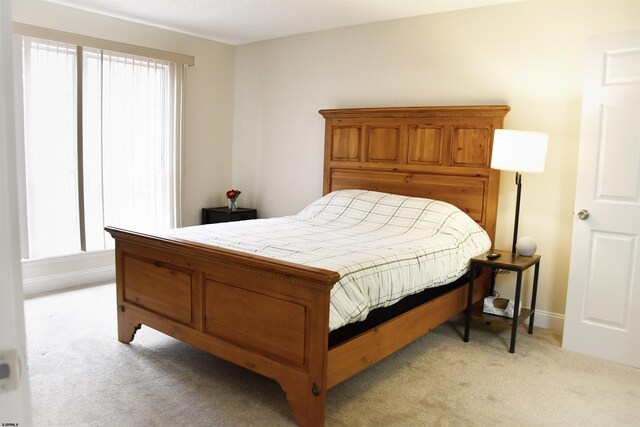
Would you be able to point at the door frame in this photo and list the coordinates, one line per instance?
(15, 405)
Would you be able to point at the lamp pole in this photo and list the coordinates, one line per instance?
(515, 223)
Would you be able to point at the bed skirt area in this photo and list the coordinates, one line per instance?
(383, 314)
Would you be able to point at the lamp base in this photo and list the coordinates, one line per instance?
(526, 246)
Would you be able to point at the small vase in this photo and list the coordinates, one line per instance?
(232, 205)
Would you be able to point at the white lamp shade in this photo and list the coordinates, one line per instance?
(519, 151)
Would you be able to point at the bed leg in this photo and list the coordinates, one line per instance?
(126, 331)
(307, 403)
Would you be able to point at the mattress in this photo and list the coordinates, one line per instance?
(384, 246)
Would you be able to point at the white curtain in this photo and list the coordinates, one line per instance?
(129, 111)
(130, 138)
(50, 147)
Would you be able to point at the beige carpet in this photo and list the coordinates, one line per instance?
(82, 376)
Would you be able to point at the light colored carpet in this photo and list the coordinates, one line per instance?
(82, 376)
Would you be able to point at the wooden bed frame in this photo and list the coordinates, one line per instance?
(272, 317)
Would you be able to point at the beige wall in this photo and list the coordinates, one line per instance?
(208, 108)
(527, 55)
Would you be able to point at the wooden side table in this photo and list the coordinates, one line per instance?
(223, 214)
(506, 261)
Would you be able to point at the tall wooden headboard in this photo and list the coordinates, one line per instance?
(439, 153)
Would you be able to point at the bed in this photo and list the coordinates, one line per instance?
(272, 316)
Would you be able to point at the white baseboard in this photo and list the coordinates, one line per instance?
(57, 282)
(54, 274)
(548, 320)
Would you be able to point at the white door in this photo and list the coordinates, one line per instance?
(14, 382)
(603, 300)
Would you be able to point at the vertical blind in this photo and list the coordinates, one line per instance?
(50, 147)
(119, 167)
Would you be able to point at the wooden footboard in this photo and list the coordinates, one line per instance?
(270, 317)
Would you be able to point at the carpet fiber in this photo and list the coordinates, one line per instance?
(82, 376)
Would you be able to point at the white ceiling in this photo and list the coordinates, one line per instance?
(244, 21)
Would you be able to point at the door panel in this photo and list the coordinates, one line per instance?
(607, 290)
(619, 164)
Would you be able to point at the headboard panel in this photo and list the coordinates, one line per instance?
(439, 153)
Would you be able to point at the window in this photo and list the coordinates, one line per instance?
(101, 145)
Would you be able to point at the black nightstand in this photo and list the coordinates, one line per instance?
(223, 214)
(506, 261)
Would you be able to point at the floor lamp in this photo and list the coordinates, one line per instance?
(518, 151)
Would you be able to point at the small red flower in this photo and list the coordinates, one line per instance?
(233, 194)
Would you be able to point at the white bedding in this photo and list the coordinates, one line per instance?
(383, 246)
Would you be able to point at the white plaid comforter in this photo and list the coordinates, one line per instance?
(384, 246)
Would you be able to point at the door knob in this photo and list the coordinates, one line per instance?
(583, 214)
